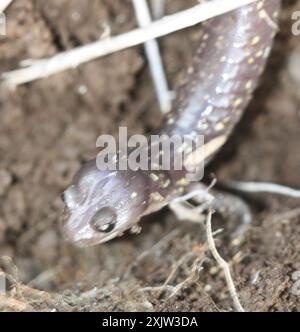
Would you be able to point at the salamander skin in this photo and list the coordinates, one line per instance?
(229, 60)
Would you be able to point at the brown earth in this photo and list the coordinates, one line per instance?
(49, 127)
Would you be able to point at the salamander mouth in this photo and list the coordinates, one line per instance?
(94, 241)
(71, 234)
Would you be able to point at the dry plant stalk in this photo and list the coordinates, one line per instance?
(223, 264)
(4, 4)
(263, 187)
(40, 68)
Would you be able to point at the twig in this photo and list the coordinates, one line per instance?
(4, 4)
(153, 55)
(158, 8)
(176, 267)
(197, 267)
(263, 187)
(173, 290)
(223, 264)
(160, 289)
(72, 59)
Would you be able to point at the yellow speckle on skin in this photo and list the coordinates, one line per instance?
(250, 60)
(219, 126)
(170, 121)
(166, 184)
(237, 102)
(154, 177)
(259, 5)
(156, 196)
(255, 40)
(182, 182)
(259, 54)
(133, 195)
(190, 70)
(205, 36)
(249, 84)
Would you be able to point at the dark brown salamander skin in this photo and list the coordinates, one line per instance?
(101, 205)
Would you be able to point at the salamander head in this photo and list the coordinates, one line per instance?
(101, 205)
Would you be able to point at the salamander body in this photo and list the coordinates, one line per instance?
(228, 62)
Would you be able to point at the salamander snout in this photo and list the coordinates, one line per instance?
(100, 205)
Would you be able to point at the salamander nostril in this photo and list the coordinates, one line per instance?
(104, 220)
(72, 197)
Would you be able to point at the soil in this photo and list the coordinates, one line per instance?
(48, 128)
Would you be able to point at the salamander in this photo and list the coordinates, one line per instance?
(230, 57)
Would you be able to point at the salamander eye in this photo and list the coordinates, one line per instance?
(104, 220)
